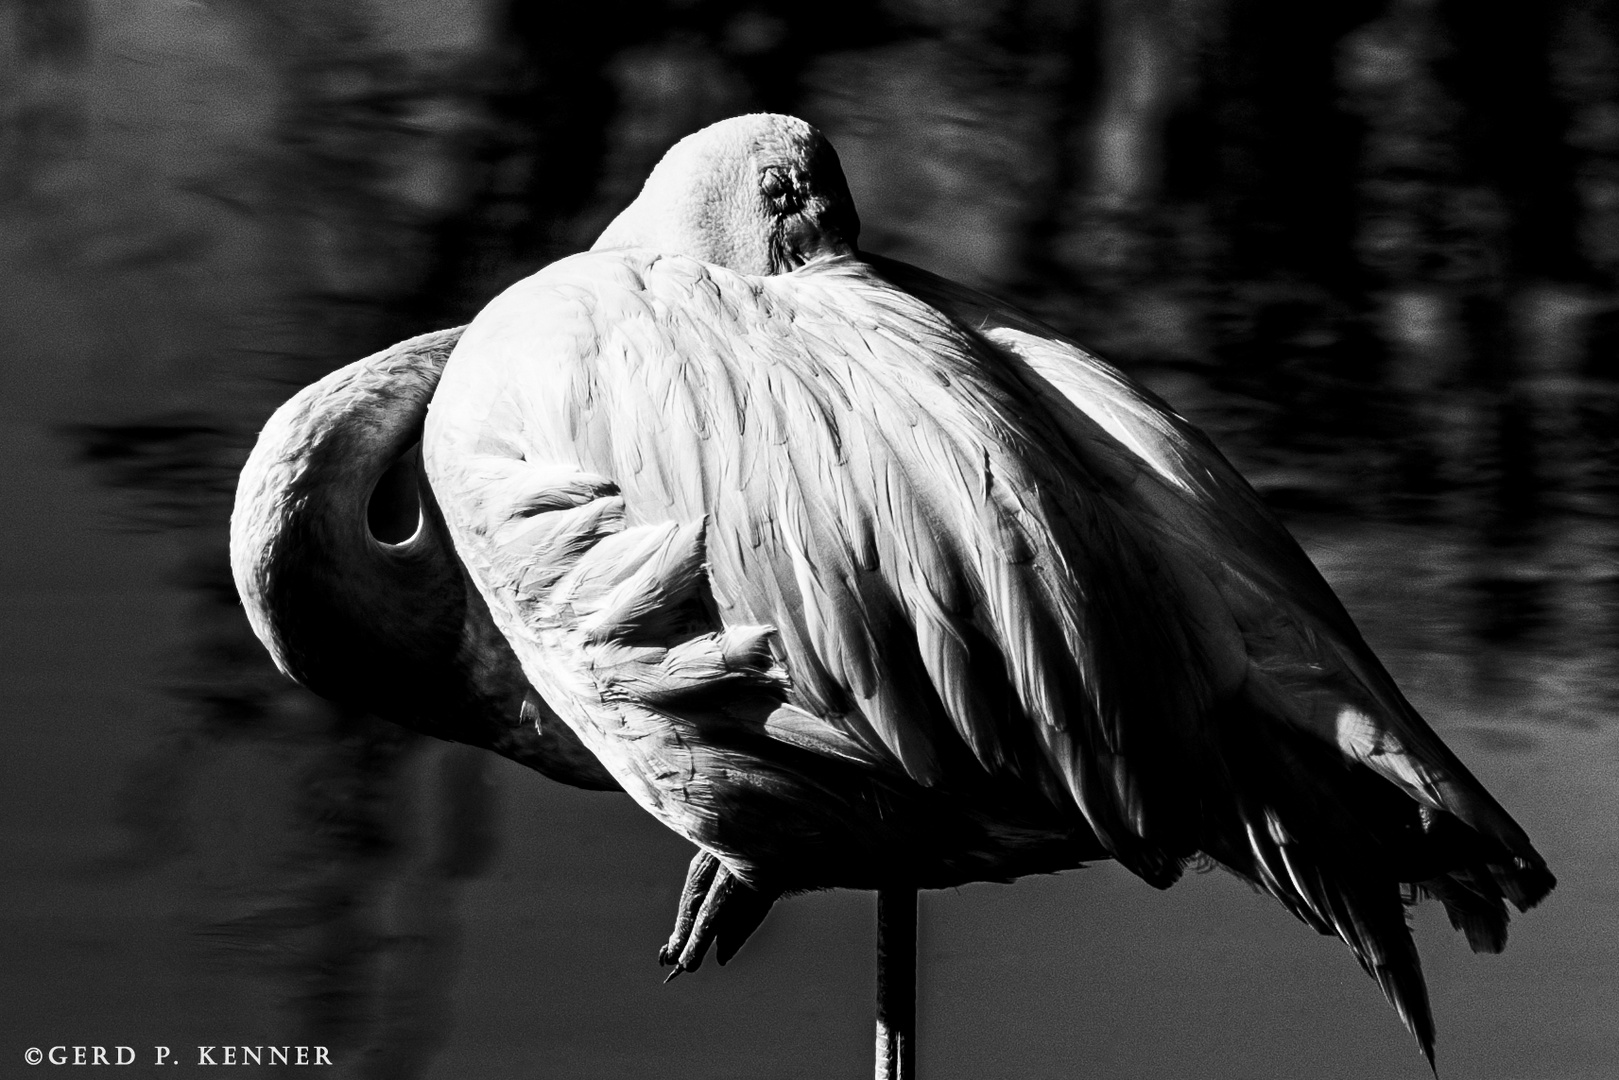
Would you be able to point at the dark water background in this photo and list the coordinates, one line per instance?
(1371, 246)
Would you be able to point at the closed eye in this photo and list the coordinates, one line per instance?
(778, 188)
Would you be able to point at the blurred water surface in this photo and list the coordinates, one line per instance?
(1371, 247)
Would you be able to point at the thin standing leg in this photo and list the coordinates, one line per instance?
(896, 984)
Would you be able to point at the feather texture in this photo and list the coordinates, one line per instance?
(853, 575)
(388, 628)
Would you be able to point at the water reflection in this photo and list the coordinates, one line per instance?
(1370, 248)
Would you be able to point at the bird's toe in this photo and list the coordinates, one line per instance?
(717, 909)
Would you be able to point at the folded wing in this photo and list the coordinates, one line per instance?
(1327, 787)
(978, 551)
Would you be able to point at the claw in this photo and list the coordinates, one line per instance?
(716, 908)
(699, 876)
(704, 926)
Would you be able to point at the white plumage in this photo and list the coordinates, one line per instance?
(856, 577)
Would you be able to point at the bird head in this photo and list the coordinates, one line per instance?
(758, 194)
(381, 621)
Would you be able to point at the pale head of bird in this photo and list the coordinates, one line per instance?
(759, 194)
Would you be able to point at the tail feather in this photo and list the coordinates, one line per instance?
(1526, 882)
(1367, 722)
(1366, 913)
(1472, 909)
(1403, 988)
(1345, 851)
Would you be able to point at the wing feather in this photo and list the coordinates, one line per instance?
(881, 514)
(1304, 652)
(985, 553)
(1282, 651)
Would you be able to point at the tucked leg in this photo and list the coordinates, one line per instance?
(699, 876)
(716, 908)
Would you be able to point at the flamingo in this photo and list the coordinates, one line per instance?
(858, 578)
(387, 628)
